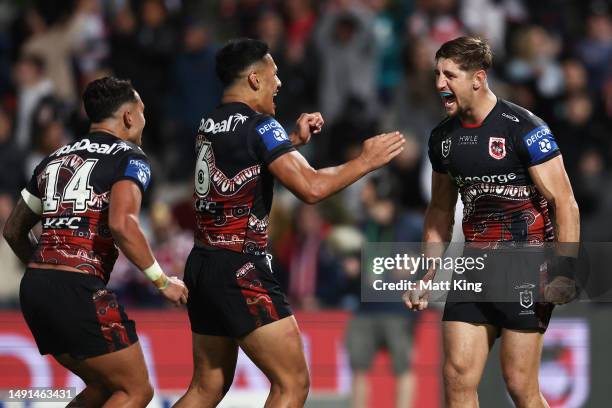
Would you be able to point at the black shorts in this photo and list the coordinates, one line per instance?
(73, 313)
(230, 293)
(513, 284)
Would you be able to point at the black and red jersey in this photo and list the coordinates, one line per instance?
(71, 187)
(489, 164)
(233, 187)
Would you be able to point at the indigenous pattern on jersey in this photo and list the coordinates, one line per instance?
(233, 187)
(489, 164)
(72, 187)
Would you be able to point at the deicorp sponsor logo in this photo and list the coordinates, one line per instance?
(536, 135)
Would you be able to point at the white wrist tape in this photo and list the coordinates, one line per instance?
(154, 272)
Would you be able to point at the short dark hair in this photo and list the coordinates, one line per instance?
(470, 53)
(104, 96)
(236, 56)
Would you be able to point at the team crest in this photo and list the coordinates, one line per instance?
(497, 147)
(526, 298)
(446, 145)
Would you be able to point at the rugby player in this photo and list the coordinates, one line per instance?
(87, 196)
(235, 300)
(506, 165)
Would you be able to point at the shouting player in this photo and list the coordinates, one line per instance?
(509, 171)
(87, 195)
(235, 300)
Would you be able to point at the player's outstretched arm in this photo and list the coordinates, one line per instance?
(311, 185)
(124, 225)
(17, 230)
(438, 228)
(306, 125)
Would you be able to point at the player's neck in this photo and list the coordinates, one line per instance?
(480, 109)
(231, 96)
(112, 128)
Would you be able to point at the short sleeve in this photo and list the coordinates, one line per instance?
(135, 167)
(269, 140)
(435, 153)
(32, 186)
(31, 193)
(536, 144)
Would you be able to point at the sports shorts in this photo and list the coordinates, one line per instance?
(231, 293)
(512, 294)
(73, 313)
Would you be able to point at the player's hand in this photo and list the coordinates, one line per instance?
(176, 291)
(379, 150)
(417, 299)
(306, 125)
(560, 290)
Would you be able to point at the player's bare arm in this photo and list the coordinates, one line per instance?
(438, 228)
(125, 227)
(552, 181)
(306, 125)
(311, 185)
(17, 230)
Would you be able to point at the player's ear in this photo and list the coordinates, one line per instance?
(127, 118)
(253, 80)
(479, 80)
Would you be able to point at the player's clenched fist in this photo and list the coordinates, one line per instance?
(417, 299)
(176, 291)
(379, 150)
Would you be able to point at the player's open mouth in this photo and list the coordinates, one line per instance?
(448, 98)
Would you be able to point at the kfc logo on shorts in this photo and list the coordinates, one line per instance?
(446, 144)
(497, 147)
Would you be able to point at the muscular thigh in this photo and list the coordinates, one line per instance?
(214, 359)
(521, 351)
(277, 349)
(121, 370)
(466, 346)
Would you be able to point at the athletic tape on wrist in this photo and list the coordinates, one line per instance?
(154, 272)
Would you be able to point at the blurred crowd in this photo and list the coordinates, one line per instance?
(366, 65)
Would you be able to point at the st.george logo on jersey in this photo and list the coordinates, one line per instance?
(497, 147)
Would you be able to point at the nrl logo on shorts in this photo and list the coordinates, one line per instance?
(526, 295)
(526, 298)
(446, 145)
(497, 147)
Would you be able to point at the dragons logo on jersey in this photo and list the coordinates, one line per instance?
(497, 147)
(446, 145)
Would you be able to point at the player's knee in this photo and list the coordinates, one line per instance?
(144, 393)
(212, 391)
(521, 386)
(458, 375)
(302, 386)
